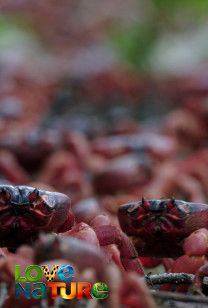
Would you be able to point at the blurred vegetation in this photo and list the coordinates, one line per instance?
(134, 43)
(159, 22)
(15, 31)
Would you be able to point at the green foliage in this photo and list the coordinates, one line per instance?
(198, 8)
(134, 43)
(14, 30)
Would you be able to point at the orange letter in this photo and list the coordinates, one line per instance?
(86, 291)
(73, 292)
(54, 286)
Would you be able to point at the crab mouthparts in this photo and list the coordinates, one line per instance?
(159, 226)
(19, 209)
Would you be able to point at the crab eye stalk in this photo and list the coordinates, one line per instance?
(34, 196)
(173, 200)
(171, 204)
(145, 204)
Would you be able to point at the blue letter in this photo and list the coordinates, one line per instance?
(19, 288)
(69, 271)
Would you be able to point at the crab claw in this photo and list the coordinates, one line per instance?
(197, 243)
(124, 217)
(194, 260)
(195, 248)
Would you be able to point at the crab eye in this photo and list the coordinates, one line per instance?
(171, 204)
(145, 204)
(34, 196)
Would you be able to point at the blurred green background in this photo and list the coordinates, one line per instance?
(160, 36)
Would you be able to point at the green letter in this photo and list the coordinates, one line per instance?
(100, 290)
(17, 274)
(38, 270)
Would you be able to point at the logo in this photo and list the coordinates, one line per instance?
(29, 287)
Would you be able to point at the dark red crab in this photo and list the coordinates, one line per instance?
(159, 227)
(24, 211)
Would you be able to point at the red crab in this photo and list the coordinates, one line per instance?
(24, 211)
(168, 229)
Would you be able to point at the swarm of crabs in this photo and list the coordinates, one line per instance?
(104, 188)
(115, 205)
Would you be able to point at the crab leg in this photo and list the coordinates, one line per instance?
(109, 234)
